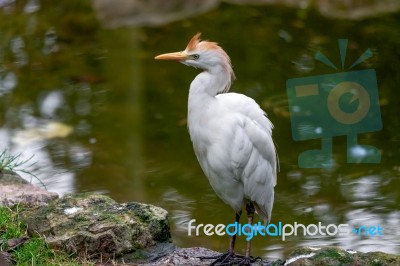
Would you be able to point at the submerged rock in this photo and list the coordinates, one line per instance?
(96, 226)
(15, 190)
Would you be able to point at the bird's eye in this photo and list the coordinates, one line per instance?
(195, 56)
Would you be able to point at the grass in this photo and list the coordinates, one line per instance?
(16, 164)
(9, 227)
(35, 251)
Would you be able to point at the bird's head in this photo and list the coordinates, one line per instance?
(205, 55)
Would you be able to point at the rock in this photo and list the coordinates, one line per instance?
(356, 10)
(148, 13)
(191, 257)
(95, 226)
(338, 256)
(13, 243)
(5, 258)
(148, 255)
(186, 256)
(15, 190)
(117, 13)
(341, 9)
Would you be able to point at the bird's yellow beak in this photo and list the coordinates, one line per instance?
(178, 56)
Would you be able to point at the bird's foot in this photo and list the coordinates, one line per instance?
(243, 260)
(220, 259)
(230, 258)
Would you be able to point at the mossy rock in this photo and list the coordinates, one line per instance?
(96, 226)
(335, 256)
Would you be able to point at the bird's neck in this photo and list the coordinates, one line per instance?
(205, 87)
(203, 90)
(211, 82)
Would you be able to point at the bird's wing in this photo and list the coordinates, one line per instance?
(253, 153)
(254, 123)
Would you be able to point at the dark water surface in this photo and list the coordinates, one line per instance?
(100, 114)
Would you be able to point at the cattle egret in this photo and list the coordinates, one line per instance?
(231, 136)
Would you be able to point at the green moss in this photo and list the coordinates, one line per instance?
(141, 211)
(379, 258)
(80, 219)
(137, 255)
(300, 251)
(278, 262)
(164, 233)
(335, 254)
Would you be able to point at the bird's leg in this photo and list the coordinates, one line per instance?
(233, 238)
(224, 258)
(250, 214)
(246, 259)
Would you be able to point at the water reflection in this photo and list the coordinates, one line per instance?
(51, 102)
(304, 64)
(183, 208)
(43, 101)
(38, 162)
(50, 130)
(32, 6)
(8, 81)
(17, 46)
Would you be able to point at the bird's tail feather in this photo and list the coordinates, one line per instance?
(262, 214)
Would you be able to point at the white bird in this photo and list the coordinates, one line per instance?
(231, 136)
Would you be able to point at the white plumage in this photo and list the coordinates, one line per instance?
(231, 135)
(232, 140)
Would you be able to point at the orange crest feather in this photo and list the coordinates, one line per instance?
(196, 43)
(193, 42)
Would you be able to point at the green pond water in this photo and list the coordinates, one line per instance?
(61, 70)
